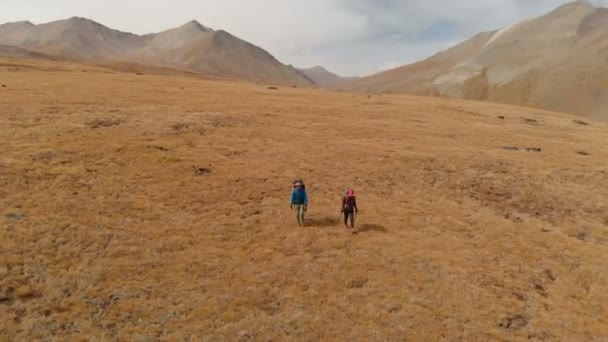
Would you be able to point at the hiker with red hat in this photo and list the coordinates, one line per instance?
(349, 207)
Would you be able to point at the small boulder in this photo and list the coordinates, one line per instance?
(200, 171)
(530, 121)
(15, 216)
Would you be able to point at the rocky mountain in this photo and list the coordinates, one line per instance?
(556, 61)
(192, 47)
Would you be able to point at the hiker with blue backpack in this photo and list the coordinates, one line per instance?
(299, 201)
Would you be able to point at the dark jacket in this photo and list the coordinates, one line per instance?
(349, 203)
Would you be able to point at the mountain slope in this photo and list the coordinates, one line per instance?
(75, 38)
(556, 62)
(15, 52)
(191, 47)
(323, 77)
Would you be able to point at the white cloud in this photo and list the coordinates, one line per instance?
(347, 36)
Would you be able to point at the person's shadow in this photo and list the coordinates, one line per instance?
(369, 227)
(322, 222)
(328, 222)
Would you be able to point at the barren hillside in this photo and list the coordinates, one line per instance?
(15, 52)
(191, 47)
(156, 207)
(323, 77)
(555, 62)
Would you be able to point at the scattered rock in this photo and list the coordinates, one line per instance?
(243, 333)
(513, 322)
(583, 153)
(530, 121)
(515, 217)
(201, 170)
(540, 288)
(541, 336)
(273, 88)
(160, 148)
(394, 308)
(14, 216)
(104, 122)
(528, 149)
(26, 292)
(580, 122)
(46, 156)
(501, 117)
(357, 284)
(520, 296)
(180, 126)
(550, 275)
(581, 234)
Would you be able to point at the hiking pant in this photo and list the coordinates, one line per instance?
(349, 214)
(300, 210)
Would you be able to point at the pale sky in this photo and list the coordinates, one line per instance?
(349, 37)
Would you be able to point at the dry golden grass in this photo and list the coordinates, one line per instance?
(111, 228)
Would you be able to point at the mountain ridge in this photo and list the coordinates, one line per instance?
(540, 62)
(190, 47)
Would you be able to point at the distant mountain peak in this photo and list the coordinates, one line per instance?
(317, 68)
(81, 20)
(19, 23)
(194, 25)
(576, 4)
